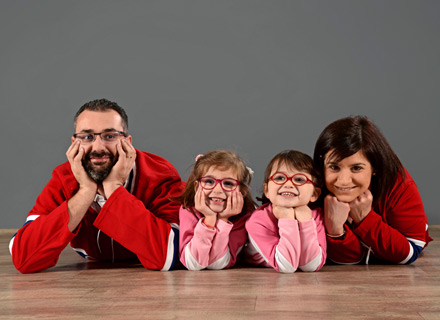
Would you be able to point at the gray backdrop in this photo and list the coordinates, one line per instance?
(256, 77)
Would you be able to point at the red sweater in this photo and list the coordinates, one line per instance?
(143, 224)
(397, 233)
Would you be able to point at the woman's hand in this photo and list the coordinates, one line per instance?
(361, 207)
(336, 214)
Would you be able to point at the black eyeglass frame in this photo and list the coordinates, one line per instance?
(94, 134)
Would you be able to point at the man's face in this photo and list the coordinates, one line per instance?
(100, 156)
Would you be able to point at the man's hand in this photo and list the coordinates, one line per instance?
(335, 215)
(81, 201)
(75, 155)
(120, 171)
(234, 206)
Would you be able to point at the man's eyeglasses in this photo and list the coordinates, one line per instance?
(227, 184)
(298, 179)
(107, 136)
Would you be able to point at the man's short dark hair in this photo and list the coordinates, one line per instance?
(103, 105)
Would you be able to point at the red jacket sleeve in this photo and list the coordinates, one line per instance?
(397, 234)
(146, 222)
(126, 219)
(38, 244)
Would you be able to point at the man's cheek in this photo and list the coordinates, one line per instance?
(87, 150)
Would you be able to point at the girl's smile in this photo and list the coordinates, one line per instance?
(289, 195)
(216, 199)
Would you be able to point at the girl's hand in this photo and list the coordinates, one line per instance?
(203, 208)
(335, 214)
(303, 213)
(283, 212)
(234, 206)
(361, 207)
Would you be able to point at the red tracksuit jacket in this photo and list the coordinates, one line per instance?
(142, 224)
(397, 233)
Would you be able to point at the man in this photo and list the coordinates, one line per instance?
(109, 200)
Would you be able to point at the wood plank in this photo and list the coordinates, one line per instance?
(76, 289)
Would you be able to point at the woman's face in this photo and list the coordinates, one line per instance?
(348, 178)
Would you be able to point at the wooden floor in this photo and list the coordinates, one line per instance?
(76, 289)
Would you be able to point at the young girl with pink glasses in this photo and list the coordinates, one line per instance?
(215, 205)
(285, 233)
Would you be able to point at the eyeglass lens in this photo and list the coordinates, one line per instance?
(110, 136)
(226, 184)
(298, 179)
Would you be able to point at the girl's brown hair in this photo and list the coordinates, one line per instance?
(292, 159)
(222, 159)
(345, 137)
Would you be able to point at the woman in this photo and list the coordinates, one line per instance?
(372, 208)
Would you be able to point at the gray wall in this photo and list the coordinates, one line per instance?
(256, 77)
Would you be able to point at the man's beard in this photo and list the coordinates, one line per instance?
(98, 172)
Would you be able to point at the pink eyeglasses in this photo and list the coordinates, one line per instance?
(227, 184)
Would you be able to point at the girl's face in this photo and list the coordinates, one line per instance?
(216, 199)
(348, 178)
(289, 195)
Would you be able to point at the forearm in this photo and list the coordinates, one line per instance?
(345, 250)
(38, 244)
(387, 242)
(313, 251)
(220, 255)
(78, 206)
(125, 219)
(279, 246)
(288, 249)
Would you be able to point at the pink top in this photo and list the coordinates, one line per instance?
(285, 244)
(204, 247)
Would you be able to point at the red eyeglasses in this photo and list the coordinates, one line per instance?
(227, 184)
(298, 179)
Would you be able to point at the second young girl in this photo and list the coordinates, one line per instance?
(284, 233)
(215, 205)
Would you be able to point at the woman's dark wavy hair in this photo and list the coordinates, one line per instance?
(222, 159)
(295, 160)
(345, 137)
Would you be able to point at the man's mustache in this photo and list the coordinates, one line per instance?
(96, 154)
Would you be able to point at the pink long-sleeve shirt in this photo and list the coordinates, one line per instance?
(285, 244)
(202, 247)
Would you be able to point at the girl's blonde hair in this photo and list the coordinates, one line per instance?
(222, 159)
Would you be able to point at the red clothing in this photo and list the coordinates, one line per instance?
(143, 224)
(398, 233)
